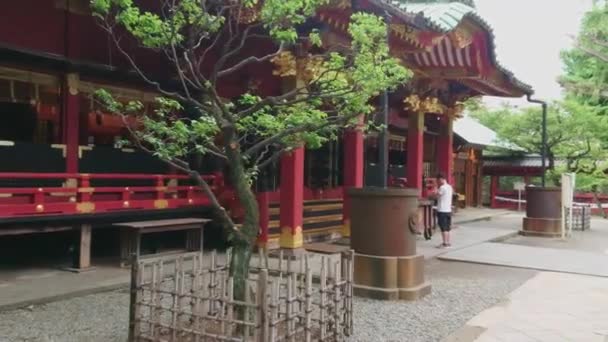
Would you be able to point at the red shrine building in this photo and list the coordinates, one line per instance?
(61, 171)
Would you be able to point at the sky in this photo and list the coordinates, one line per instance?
(529, 35)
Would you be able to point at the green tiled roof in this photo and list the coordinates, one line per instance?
(445, 17)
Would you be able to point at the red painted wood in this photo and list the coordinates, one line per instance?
(494, 181)
(415, 150)
(292, 184)
(353, 166)
(65, 201)
(71, 128)
(445, 155)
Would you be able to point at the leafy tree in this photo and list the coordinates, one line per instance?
(206, 43)
(576, 138)
(585, 77)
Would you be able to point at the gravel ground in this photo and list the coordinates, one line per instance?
(460, 291)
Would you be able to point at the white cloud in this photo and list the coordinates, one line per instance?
(529, 37)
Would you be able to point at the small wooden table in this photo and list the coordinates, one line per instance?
(131, 232)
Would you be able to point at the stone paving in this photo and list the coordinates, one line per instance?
(538, 258)
(469, 234)
(585, 252)
(551, 307)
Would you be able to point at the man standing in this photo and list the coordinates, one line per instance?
(444, 210)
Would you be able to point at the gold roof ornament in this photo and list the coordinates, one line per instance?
(285, 64)
(249, 15)
(455, 111)
(340, 4)
(406, 33)
(461, 37)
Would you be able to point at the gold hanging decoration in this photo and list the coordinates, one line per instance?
(309, 68)
(285, 64)
(425, 105)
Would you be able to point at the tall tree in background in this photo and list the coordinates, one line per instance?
(205, 42)
(577, 138)
(585, 77)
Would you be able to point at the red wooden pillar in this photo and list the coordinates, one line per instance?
(415, 150)
(263, 205)
(292, 198)
(353, 171)
(70, 123)
(445, 155)
(493, 191)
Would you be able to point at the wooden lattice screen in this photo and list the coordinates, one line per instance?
(189, 297)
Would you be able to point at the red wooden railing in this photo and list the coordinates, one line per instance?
(77, 196)
(508, 200)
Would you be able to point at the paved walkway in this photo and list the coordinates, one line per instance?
(539, 258)
(551, 307)
(502, 226)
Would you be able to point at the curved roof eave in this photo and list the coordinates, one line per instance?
(445, 17)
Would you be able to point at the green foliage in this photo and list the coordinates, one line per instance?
(576, 137)
(248, 131)
(585, 75)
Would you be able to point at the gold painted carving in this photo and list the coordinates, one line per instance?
(60, 146)
(461, 37)
(285, 64)
(423, 105)
(85, 207)
(455, 111)
(81, 150)
(161, 204)
(73, 80)
(289, 239)
(249, 15)
(346, 229)
(340, 4)
(39, 208)
(406, 33)
(310, 68)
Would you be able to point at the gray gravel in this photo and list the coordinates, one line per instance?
(460, 291)
(102, 317)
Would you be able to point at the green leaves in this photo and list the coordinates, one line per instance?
(576, 136)
(334, 89)
(585, 76)
(281, 17)
(154, 31)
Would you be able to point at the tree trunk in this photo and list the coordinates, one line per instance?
(243, 246)
(598, 202)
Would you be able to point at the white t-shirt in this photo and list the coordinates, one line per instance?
(444, 201)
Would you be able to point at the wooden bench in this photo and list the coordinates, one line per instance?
(131, 233)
